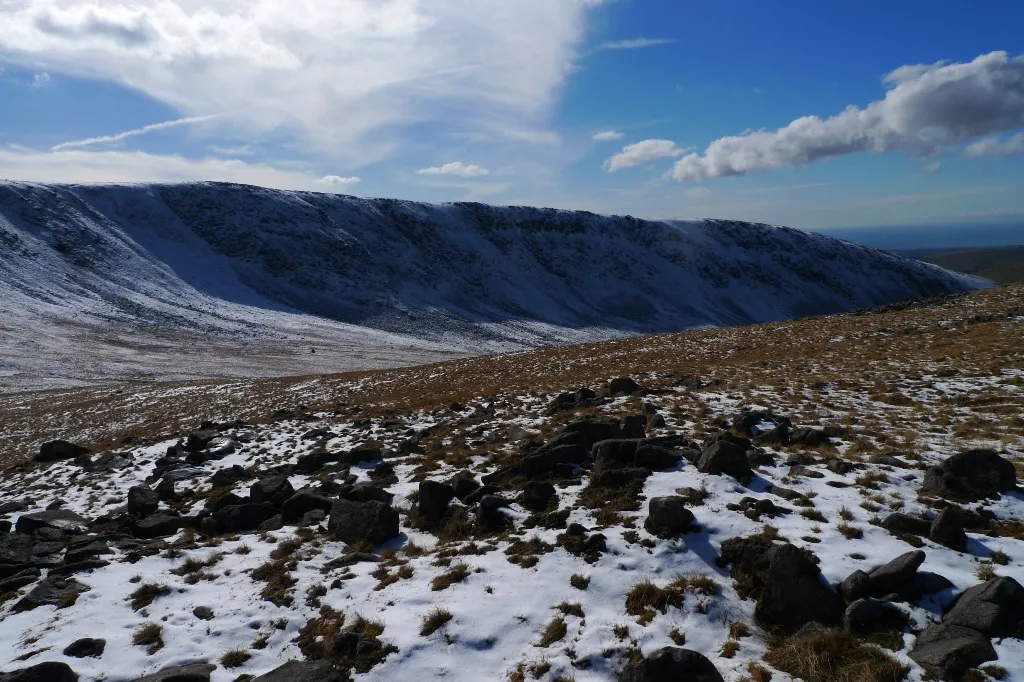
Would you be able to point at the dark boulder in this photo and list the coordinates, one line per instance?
(668, 517)
(157, 525)
(315, 461)
(243, 518)
(889, 459)
(609, 454)
(489, 514)
(142, 500)
(794, 593)
(587, 431)
(62, 520)
(85, 647)
(478, 494)
(56, 450)
(463, 483)
(365, 491)
(840, 466)
(229, 476)
(165, 490)
(50, 671)
(272, 489)
(904, 524)
(304, 671)
(891, 577)
(671, 664)
(15, 550)
(198, 440)
(19, 579)
(85, 548)
(53, 591)
(305, 500)
(634, 425)
(623, 386)
(950, 650)
(948, 530)
(432, 500)
(655, 457)
(536, 496)
(809, 437)
(371, 522)
(971, 475)
(995, 608)
(194, 672)
(724, 457)
(866, 616)
(855, 586)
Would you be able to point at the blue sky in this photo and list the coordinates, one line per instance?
(802, 113)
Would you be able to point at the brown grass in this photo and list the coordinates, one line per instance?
(553, 632)
(235, 658)
(435, 619)
(146, 594)
(455, 574)
(833, 656)
(579, 581)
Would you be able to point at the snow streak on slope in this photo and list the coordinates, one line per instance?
(213, 260)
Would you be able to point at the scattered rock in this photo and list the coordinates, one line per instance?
(948, 530)
(273, 489)
(203, 612)
(971, 475)
(56, 450)
(671, 664)
(52, 591)
(995, 608)
(489, 513)
(463, 483)
(432, 501)
(305, 500)
(303, 671)
(950, 650)
(536, 495)
(668, 517)
(157, 525)
(85, 647)
(194, 672)
(892, 576)
(372, 522)
(794, 593)
(62, 520)
(623, 386)
(724, 457)
(866, 616)
(142, 500)
(904, 524)
(50, 671)
(243, 518)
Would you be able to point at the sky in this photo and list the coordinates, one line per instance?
(801, 113)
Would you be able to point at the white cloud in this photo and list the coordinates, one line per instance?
(642, 152)
(349, 76)
(87, 166)
(928, 108)
(608, 135)
(338, 180)
(933, 167)
(697, 192)
(455, 168)
(40, 79)
(132, 133)
(993, 146)
(635, 43)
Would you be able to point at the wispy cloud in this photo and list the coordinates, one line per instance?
(608, 135)
(338, 180)
(152, 127)
(635, 43)
(993, 146)
(456, 168)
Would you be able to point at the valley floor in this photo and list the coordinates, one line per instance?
(461, 598)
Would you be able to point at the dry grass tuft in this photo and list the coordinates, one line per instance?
(833, 656)
(146, 594)
(435, 619)
(554, 632)
(235, 658)
(455, 574)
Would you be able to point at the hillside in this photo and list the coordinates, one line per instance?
(826, 498)
(129, 281)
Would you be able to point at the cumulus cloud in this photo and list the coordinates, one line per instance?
(608, 135)
(642, 152)
(927, 109)
(455, 168)
(993, 146)
(85, 166)
(132, 133)
(349, 76)
(338, 180)
(635, 43)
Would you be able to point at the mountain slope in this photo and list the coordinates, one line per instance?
(232, 261)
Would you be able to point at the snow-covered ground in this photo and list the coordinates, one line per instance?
(102, 282)
(500, 609)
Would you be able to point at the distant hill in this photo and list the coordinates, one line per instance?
(999, 264)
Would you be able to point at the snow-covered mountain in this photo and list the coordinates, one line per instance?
(217, 258)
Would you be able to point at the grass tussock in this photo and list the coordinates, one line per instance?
(235, 658)
(146, 594)
(435, 619)
(553, 632)
(833, 656)
(456, 573)
(579, 581)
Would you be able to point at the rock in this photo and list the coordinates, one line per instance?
(894, 575)
(572, 400)
(995, 608)
(904, 524)
(656, 421)
(623, 386)
(85, 647)
(671, 664)
(20, 579)
(951, 650)
(198, 440)
(203, 612)
(305, 500)
(655, 457)
(63, 520)
(478, 494)
(315, 461)
(15, 550)
(194, 672)
(729, 437)
(801, 470)
(56, 450)
(463, 483)
(588, 431)
(228, 476)
(668, 517)
(142, 500)
(633, 426)
(86, 548)
(489, 513)
(12, 506)
(855, 586)
(746, 421)
(303, 671)
(971, 475)
(809, 437)
(922, 584)
(273, 489)
(53, 591)
(724, 457)
(794, 593)
(866, 616)
(889, 459)
(948, 531)
(165, 490)
(360, 455)
(157, 525)
(274, 523)
(840, 466)
(242, 518)
(609, 454)
(110, 461)
(364, 491)
(537, 495)
(371, 522)
(50, 671)
(433, 500)
(754, 508)
(544, 461)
